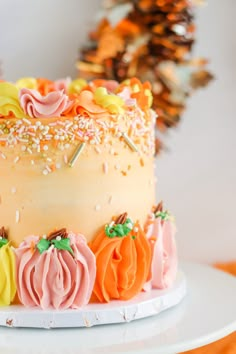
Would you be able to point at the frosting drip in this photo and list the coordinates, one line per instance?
(55, 278)
(7, 275)
(36, 105)
(123, 265)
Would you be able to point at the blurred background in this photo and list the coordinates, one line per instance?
(197, 176)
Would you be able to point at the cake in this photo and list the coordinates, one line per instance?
(78, 216)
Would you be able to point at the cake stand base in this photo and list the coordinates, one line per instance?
(144, 305)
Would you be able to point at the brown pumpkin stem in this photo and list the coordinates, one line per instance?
(62, 233)
(3, 233)
(159, 207)
(121, 219)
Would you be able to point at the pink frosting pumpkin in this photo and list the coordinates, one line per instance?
(160, 230)
(56, 277)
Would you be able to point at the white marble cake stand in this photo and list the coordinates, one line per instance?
(144, 305)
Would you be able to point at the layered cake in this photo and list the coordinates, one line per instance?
(78, 217)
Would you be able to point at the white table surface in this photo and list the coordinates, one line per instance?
(206, 314)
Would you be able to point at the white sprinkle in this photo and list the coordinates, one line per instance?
(45, 237)
(45, 172)
(13, 190)
(130, 226)
(86, 138)
(68, 125)
(56, 137)
(67, 146)
(26, 121)
(16, 159)
(98, 150)
(58, 238)
(38, 123)
(65, 159)
(32, 162)
(111, 223)
(17, 216)
(29, 150)
(36, 140)
(0, 237)
(135, 229)
(3, 156)
(105, 167)
(58, 165)
(45, 148)
(23, 141)
(98, 207)
(48, 169)
(117, 166)
(49, 159)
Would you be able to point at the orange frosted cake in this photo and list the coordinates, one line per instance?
(78, 219)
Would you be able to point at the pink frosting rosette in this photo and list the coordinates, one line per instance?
(36, 106)
(58, 271)
(160, 230)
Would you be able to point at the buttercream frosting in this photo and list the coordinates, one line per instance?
(9, 101)
(36, 105)
(161, 235)
(123, 264)
(55, 278)
(7, 275)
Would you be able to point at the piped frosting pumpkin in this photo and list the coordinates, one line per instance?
(160, 230)
(7, 271)
(57, 271)
(123, 258)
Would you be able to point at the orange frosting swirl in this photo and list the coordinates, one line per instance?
(123, 265)
(84, 104)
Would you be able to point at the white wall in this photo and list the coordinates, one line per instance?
(197, 179)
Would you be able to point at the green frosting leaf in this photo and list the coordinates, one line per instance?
(164, 215)
(43, 245)
(63, 244)
(3, 242)
(119, 230)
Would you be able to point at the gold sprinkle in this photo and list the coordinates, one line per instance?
(130, 142)
(141, 162)
(76, 155)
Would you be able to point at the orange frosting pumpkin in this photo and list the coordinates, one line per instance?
(123, 264)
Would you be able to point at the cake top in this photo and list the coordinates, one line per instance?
(48, 123)
(42, 98)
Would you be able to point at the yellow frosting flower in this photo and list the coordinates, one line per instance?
(27, 82)
(76, 86)
(113, 103)
(7, 275)
(9, 100)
